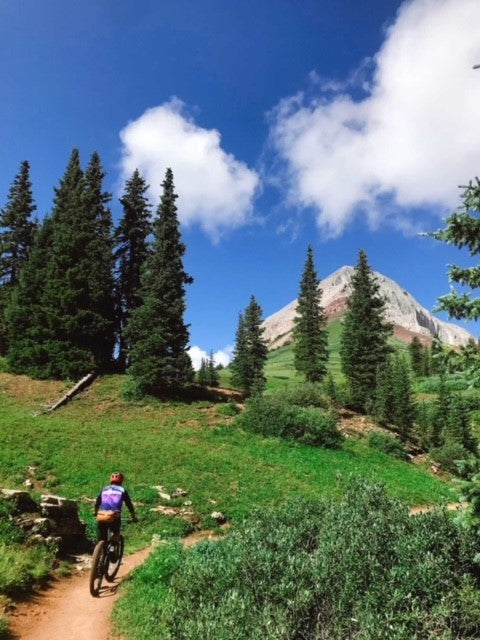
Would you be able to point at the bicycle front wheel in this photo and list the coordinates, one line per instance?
(114, 555)
(97, 570)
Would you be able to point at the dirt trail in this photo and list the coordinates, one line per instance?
(67, 610)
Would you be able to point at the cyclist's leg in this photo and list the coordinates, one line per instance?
(115, 528)
(102, 529)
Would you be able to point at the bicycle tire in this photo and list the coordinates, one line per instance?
(97, 569)
(111, 568)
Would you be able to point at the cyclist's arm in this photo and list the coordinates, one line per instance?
(129, 505)
(98, 502)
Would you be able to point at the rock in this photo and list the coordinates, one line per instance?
(218, 517)
(187, 503)
(179, 493)
(28, 483)
(166, 511)
(32, 471)
(21, 499)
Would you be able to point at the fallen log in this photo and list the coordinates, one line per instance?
(84, 382)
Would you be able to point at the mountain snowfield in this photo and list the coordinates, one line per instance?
(408, 317)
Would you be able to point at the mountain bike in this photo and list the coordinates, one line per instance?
(106, 560)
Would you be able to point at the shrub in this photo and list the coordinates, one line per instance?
(449, 455)
(314, 570)
(3, 627)
(273, 417)
(388, 444)
(308, 394)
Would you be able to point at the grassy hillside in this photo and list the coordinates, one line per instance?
(174, 444)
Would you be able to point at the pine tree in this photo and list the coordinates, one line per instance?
(26, 313)
(417, 362)
(385, 398)
(78, 292)
(202, 374)
(101, 302)
(364, 341)
(404, 408)
(132, 250)
(250, 352)
(463, 230)
(156, 332)
(16, 241)
(213, 377)
(309, 332)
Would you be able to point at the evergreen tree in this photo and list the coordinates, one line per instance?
(101, 302)
(78, 292)
(457, 428)
(238, 365)
(417, 360)
(213, 377)
(17, 230)
(26, 314)
(385, 399)
(202, 375)
(463, 230)
(250, 351)
(404, 410)
(132, 250)
(309, 332)
(156, 332)
(364, 341)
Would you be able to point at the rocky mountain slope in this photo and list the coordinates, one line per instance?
(408, 317)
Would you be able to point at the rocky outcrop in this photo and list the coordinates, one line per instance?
(53, 522)
(408, 317)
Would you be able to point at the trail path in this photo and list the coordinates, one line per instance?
(67, 610)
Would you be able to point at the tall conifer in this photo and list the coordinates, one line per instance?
(131, 251)
(251, 351)
(309, 332)
(157, 333)
(17, 231)
(364, 342)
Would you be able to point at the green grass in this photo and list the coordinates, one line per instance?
(175, 444)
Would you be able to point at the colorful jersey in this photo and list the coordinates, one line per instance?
(112, 498)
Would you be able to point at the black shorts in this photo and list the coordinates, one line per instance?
(104, 527)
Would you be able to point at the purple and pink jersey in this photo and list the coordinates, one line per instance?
(112, 497)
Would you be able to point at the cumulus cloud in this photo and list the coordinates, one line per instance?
(215, 189)
(197, 354)
(408, 142)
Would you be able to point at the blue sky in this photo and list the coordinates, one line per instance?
(339, 123)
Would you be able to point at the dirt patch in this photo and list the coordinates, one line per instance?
(351, 423)
(29, 391)
(67, 610)
(451, 506)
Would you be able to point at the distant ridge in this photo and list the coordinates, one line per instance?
(408, 317)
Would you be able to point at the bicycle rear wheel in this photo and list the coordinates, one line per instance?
(98, 568)
(114, 555)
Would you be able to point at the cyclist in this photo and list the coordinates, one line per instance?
(108, 506)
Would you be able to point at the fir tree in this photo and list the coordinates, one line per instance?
(309, 332)
(385, 399)
(27, 316)
(17, 230)
(156, 332)
(250, 351)
(404, 408)
(463, 230)
(202, 374)
(132, 250)
(364, 342)
(417, 360)
(213, 377)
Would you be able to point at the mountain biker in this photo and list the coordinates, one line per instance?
(108, 506)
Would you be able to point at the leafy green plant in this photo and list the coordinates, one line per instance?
(271, 416)
(228, 409)
(22, 566)
(388, 444)
(308, 394)
(363, 568)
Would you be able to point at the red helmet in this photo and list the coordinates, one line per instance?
(116, 477)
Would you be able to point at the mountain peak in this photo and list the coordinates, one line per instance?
(408, 317)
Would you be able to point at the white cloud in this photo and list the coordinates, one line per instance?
(408, 143)
(223, 356)
(215, 189)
